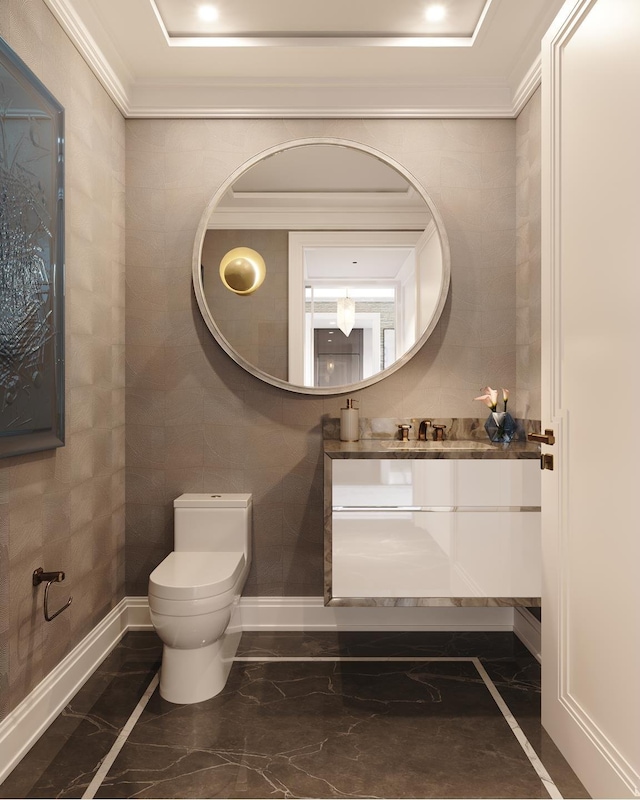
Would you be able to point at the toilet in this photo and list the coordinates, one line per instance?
(194, 592)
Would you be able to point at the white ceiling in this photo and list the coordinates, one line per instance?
(368, 264)
(321, 168)
(318, 186)
(294, 58)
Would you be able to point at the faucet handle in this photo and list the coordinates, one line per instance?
(404, 431)
(438, 433)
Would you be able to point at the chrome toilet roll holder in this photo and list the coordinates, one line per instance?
(40, 576)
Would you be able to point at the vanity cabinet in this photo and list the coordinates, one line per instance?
(455, 531)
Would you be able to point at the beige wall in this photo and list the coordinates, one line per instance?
(196, 421)
(64, 509)
(528, 189)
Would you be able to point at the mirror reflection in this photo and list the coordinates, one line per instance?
(355, 269)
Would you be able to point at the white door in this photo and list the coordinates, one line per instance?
(591, 391)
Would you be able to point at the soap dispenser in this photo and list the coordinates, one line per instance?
(349, 422)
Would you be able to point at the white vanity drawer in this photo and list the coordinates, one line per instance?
(423, 483)
(436, 554)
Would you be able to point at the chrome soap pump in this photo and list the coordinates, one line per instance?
(349, 422)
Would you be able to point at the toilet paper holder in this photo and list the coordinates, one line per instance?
(40, 576)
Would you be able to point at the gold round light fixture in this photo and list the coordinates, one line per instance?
(242, 270)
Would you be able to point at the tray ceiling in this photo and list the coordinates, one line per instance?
(294, 58)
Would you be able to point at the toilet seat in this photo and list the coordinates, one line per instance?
(195, 576)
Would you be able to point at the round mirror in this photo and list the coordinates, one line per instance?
(355, 266)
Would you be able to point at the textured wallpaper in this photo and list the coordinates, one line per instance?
(64, 509)
(528, 219)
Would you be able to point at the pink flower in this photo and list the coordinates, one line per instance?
(490, 397)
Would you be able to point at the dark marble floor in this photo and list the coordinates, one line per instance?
(309, 728)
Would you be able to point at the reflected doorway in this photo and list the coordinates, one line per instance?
(338, 358)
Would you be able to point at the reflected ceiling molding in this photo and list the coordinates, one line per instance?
(298, 39)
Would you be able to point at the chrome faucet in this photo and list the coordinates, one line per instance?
(422, 430)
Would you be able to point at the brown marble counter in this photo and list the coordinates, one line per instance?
(454, 448)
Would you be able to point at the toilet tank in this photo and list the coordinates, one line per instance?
(210, 522)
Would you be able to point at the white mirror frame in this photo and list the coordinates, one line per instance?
(217, 333)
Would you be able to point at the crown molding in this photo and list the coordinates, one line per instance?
(88, 48)
(527, 86)
(291, 99)
(328, 99)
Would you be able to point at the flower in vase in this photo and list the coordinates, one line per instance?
(500, 425)
(490, 397)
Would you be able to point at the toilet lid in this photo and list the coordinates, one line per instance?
(189, 576)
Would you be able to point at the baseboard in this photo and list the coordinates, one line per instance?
(138, 618)
(602, 768)
(310, 613)
(529, 630)
(26, 723)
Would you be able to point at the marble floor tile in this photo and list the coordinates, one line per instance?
(327, 730)
(63, 761)
(492, 645)
(309, 728)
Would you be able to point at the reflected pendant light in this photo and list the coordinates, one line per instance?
(346, 314)
(242, 270)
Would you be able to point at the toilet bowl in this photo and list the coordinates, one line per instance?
(194, 592)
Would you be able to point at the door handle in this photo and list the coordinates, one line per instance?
(544, 438)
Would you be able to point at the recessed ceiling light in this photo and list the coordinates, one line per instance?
(208, 13)
(435, 13)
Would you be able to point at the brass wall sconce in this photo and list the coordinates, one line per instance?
(242, 270)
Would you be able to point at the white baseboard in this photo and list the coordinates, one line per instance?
(28, 721)
(600, 765)
(529, 630)
(138, 618)
(310, 613)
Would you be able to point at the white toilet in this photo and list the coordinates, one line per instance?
(195, 590)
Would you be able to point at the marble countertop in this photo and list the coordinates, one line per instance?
(454, 448)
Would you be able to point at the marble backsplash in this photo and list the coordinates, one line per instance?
(460, 428)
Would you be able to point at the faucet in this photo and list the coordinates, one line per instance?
(422, 430)
(404, 431)
(438, 433)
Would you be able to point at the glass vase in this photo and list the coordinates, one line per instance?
(500, 426)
